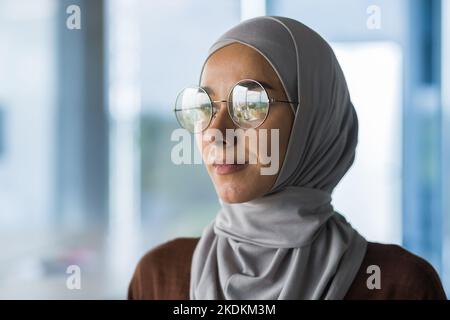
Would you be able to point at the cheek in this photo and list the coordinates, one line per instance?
(246, 186)
(199, 141)
(282, 118)
(251, 183)
(202, 147)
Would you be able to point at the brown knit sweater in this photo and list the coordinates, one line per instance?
(164, 273)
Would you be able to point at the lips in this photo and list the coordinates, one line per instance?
(223, 169)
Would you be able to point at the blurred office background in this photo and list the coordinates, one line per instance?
(85, 122)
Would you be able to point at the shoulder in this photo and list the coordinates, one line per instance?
(401, 264)
(402, 275)
(168, 251)
(163, 269)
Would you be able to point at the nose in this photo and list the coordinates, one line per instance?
(221, 121)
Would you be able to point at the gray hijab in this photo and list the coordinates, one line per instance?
(289, 243)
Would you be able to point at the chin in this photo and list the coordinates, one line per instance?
(232, 199)
(238, 187)
(232, 194)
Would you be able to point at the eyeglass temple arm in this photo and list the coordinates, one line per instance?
(285, 101)
(270, 100)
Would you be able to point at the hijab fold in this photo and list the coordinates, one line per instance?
(290, 243)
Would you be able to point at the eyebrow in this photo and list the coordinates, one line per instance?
(265, 84)
(210, 91)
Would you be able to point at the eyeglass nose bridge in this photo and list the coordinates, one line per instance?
(215, 108)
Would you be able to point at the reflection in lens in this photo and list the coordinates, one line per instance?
(249, 104)
(193, 109)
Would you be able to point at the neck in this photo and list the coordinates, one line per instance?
(285, 219)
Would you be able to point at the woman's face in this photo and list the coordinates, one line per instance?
(225, 67)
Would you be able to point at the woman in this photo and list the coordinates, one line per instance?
(277, 236)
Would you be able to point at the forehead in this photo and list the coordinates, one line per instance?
(235, 62)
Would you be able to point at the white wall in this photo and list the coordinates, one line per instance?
(369, 195)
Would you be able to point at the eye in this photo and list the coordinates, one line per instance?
(249, 104)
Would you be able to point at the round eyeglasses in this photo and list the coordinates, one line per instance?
(248, 106)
